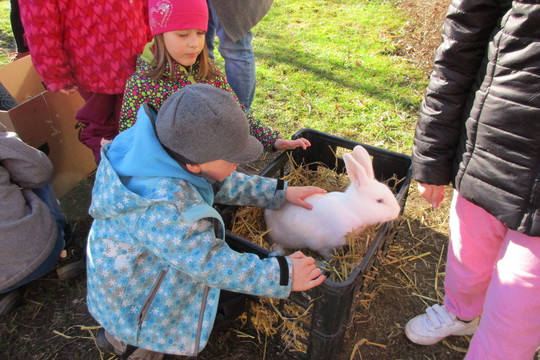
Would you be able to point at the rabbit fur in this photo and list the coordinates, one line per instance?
(365, 202)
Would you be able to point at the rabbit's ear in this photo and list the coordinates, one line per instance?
(357, 173)
(362, 156)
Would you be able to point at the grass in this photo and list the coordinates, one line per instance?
(342, 76)
(329, 65)
(7, 44)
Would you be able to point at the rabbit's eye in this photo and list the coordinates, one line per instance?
(380, 201)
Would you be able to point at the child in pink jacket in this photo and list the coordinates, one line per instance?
(90, 47)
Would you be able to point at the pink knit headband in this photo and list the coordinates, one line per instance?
(172, 15)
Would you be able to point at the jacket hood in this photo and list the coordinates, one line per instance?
(135, 161)
(147, 54)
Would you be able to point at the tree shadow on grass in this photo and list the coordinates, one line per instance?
(356, 77)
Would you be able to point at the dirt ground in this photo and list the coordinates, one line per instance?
(54, 323)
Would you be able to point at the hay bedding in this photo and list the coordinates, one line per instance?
(287, 320)
(249, 223)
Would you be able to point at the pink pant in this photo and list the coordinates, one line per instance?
(100, 115)
(494, 272)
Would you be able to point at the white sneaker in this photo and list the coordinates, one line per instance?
(436, 324)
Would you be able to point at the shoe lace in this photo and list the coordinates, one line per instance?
(439, 317)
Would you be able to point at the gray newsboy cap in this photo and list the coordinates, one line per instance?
(201, 123)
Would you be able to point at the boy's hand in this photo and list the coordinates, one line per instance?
(296, 195)
(282, 144)
(305, 275)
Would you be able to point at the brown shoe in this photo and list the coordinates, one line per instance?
(107, 343)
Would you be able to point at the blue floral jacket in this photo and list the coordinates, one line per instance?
(155, 264)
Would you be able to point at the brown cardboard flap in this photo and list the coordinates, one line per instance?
(72, 160)
(21, 79)
(46, 121)
(31, 121)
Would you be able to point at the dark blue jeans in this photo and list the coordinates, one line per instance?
(239, 59)
(46, 194)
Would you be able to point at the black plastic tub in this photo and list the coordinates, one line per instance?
(332, 303)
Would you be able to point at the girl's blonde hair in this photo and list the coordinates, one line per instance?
(162, 60)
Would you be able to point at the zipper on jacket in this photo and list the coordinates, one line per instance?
(201, 318)
(531, 209)
(150, 299)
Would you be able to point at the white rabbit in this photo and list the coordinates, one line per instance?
(365, 202)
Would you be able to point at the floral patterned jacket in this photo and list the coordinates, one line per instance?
(140, 89)
(155, 264)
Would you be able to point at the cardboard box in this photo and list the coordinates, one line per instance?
(46, 121)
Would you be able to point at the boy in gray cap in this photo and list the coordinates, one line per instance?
(157, 257)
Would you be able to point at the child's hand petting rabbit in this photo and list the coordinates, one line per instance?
(296, 195)
(323, 228)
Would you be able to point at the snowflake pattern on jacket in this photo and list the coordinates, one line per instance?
(140, 89)
(91, 44)
(155, 266)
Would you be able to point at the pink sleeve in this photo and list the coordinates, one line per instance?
(44, 34)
